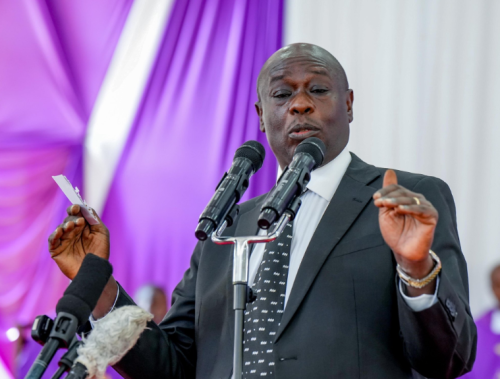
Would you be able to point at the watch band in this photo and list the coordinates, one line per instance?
(420, 283)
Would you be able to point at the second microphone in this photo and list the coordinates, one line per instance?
(247, 161)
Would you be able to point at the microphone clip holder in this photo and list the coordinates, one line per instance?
(241, 253)
(62, 334)
(42, 326)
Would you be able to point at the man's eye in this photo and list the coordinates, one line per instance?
(319, 90)
(281, 94)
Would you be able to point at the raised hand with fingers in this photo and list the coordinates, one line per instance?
(407, 222)
(74, 238)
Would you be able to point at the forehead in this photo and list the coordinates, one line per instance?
(298, 65)
(290, 65)
(298, 62)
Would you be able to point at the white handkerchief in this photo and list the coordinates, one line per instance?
(73, 194)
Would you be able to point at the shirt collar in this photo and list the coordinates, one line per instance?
(325, 179)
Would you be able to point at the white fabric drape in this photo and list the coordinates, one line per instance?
(426, 84)
(120, 95)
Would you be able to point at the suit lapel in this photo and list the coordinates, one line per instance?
(351, 197)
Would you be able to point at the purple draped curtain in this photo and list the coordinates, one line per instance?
(198, 108)
(53, 58)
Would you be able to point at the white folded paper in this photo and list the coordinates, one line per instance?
(73, 194)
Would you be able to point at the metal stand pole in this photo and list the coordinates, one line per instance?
(239, 308)
(240, 279)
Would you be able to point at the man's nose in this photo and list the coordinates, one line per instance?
(302, 104)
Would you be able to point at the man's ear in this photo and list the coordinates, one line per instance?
(258, 108)
(349, 98)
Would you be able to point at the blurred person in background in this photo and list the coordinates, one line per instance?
(152, 299)
(487, 364)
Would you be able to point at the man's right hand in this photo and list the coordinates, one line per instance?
(74, 238)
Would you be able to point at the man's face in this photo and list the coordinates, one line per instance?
(301, 97)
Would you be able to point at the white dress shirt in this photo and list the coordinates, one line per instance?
(321, 188)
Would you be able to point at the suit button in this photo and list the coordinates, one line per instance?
(451, 308)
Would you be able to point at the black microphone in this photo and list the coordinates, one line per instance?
(308, 155)
(73, 309)
(67, 360)
(247, 161)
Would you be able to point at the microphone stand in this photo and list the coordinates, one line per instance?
(241, 252)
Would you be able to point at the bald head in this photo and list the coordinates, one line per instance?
(495, 282)
(495, 272)
(298, 51)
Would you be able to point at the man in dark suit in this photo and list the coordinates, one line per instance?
(365, 296)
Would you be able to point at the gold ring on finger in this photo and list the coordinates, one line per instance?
(417, 200)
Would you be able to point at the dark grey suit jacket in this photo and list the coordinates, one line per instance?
(344, 318)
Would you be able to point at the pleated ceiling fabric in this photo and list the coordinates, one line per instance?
(53, 58)
(196, 111)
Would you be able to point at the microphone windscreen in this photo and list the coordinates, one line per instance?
(314, 147)
(254, 151)
(81, 296)
(112, 337)
(74, 305)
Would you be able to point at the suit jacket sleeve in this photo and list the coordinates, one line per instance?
(440, 341)
(166, 350)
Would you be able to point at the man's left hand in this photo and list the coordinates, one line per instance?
(407, 222)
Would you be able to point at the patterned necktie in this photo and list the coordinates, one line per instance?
(263, 316)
